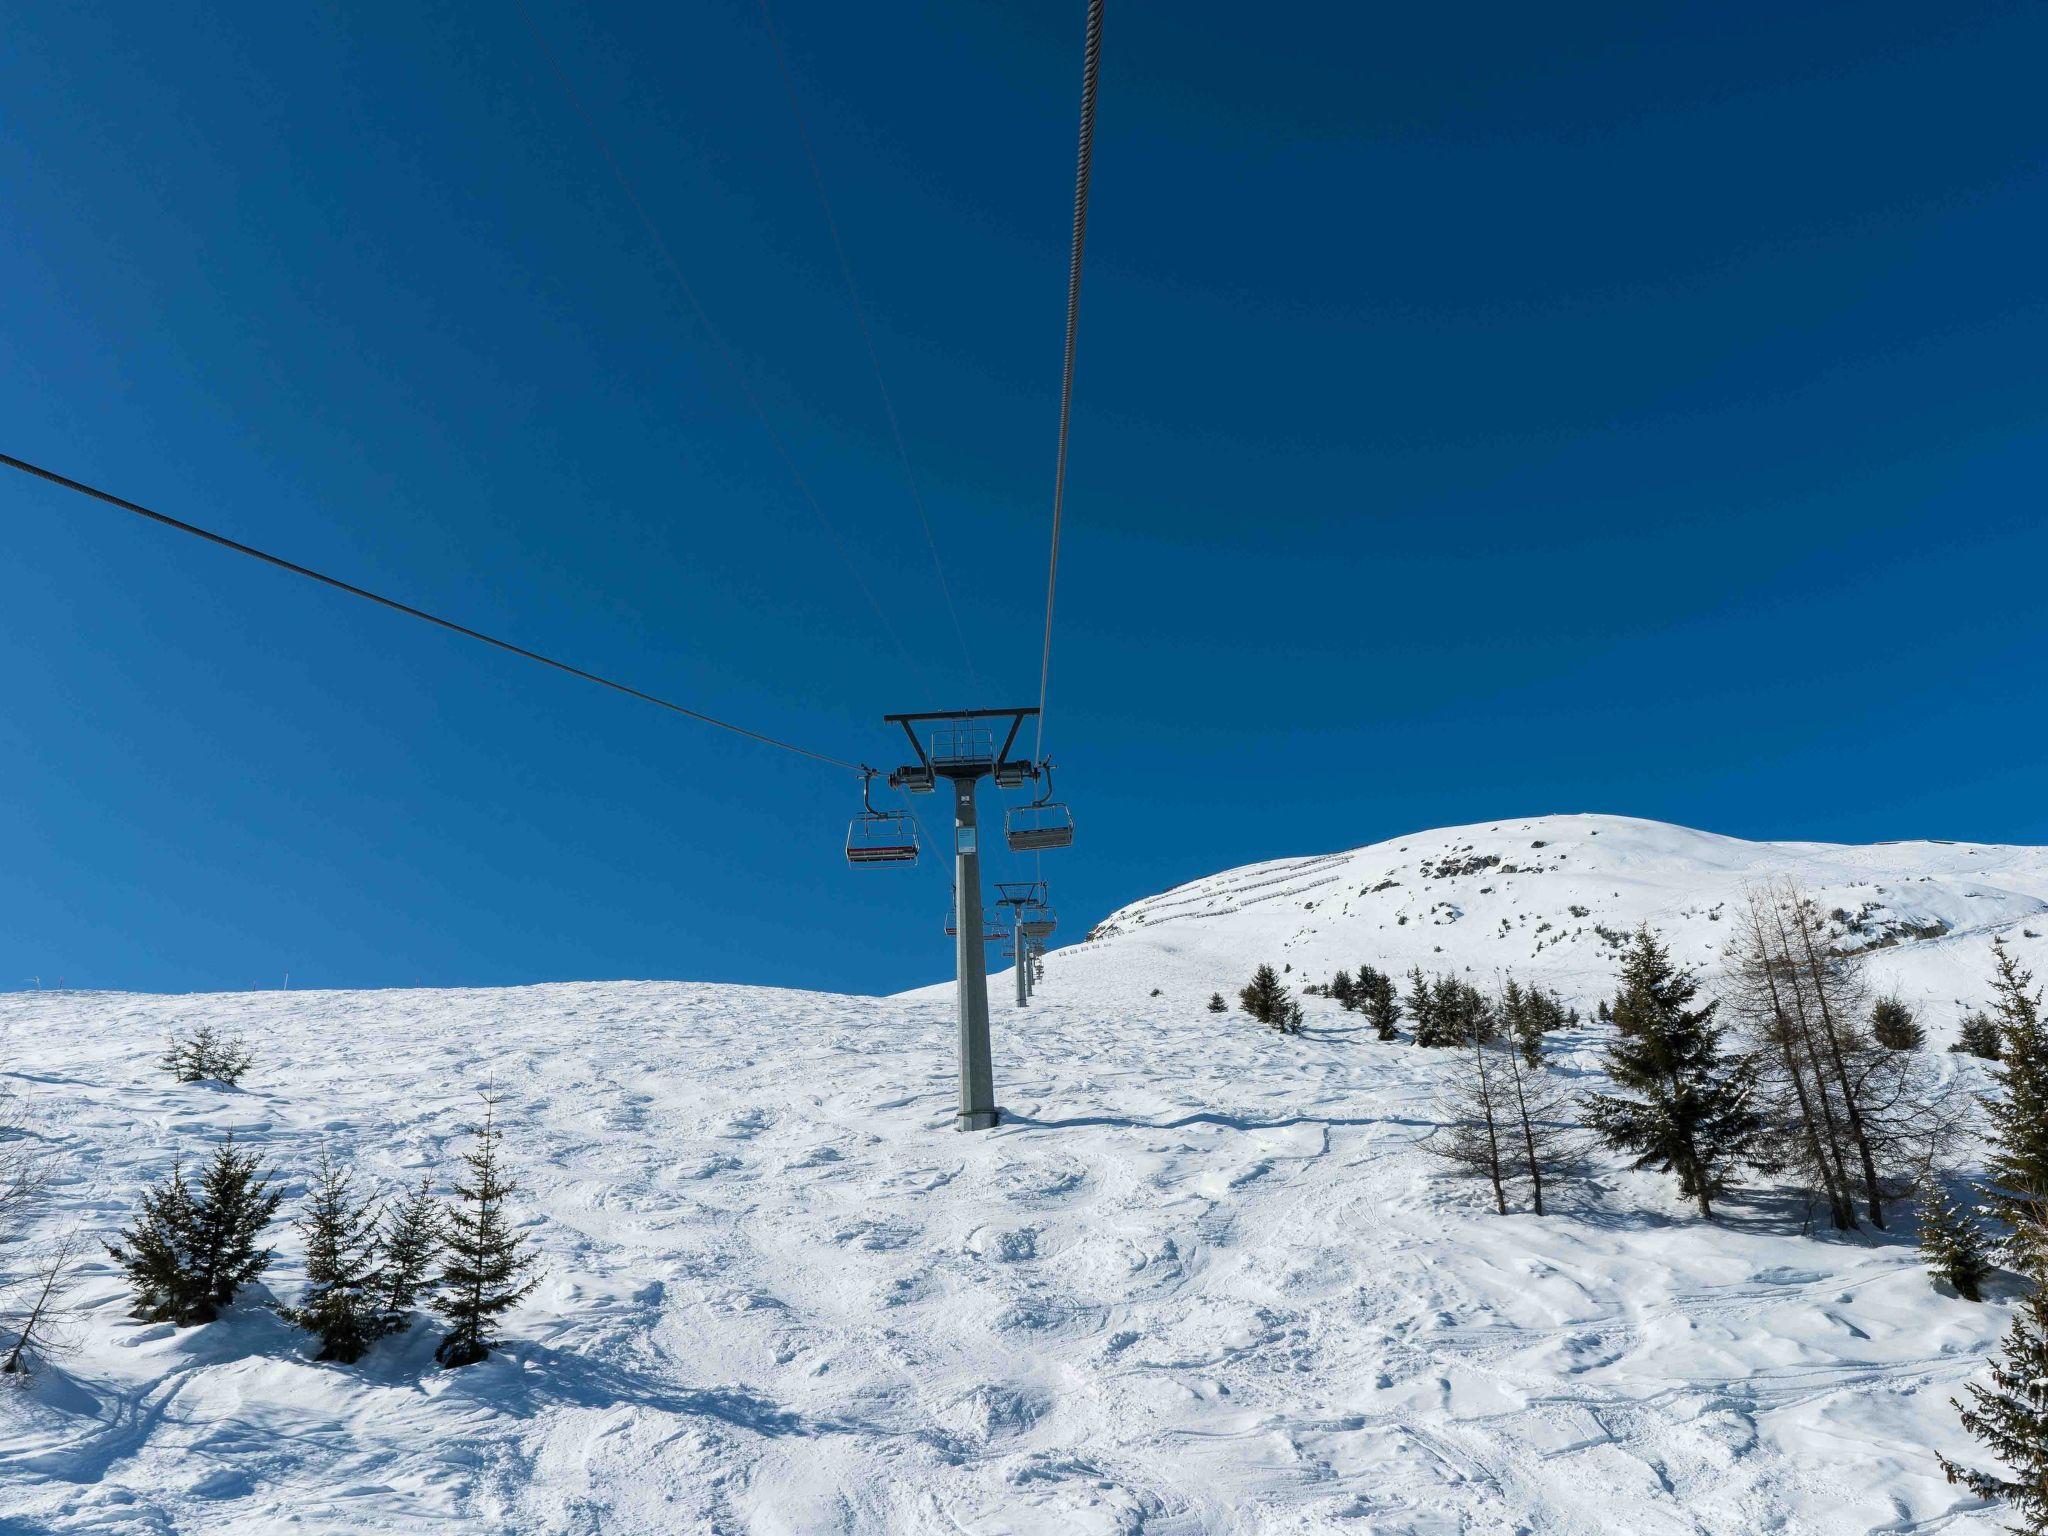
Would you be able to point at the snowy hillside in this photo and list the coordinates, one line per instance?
(1550, 898)
(1203, 1279)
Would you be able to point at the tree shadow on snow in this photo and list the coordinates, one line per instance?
(1203, 1117)
(523, 1378)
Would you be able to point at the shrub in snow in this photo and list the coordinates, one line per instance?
(207, 1053)
(190, 1251)
(1216, 1003)
(481, 1277)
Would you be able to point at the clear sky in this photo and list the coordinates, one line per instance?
(1483, 410)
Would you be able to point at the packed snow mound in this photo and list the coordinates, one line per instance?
(1551, 900)
(1203, 1279)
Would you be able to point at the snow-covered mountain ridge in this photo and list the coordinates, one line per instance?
(1550, 899)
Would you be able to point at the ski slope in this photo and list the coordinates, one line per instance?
(1203, 1279)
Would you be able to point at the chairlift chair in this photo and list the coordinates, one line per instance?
(1044, 823)
(877, 836)
(1040, 923)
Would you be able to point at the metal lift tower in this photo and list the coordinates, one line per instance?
(1022, 897)
(960, 746)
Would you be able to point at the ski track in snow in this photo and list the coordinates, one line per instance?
(1203, 1280)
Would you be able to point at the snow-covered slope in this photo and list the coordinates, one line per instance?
(1550, 899)
(1203, 1279)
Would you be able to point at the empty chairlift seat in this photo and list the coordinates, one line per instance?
(881, 837)
(1039, 923)
(1041, 824)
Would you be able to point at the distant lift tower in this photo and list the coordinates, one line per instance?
(1023, 898)
(960, 745)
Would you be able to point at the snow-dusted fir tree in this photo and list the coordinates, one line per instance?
(1680, 1107)
(233, 1205)
(2010, 1416)
(1950, 1243)
(155, 1252)
(411, 1242)
(1379, 1000)
(1266, 997)
(208, 1053)
(486, 1270)
(1216, 1003)
(190, 1251)
(2018, 1164)
(340, 1305)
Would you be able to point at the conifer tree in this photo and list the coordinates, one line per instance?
(1266, 997)
(341, 1302)
(1893, 1026)
(1680, 1107)
(233, 1205)
(340, 1234)
(1216, 1003)
(209, 1052)
(1950, 1243)
(486, 1272)
(190, 1251)
(1422, 1013)
(155, 1251)
(1344, 990)
(411, 1242)
(1380, 1001)
(1976, 1036)
(2010, 1416)
(2018, 1161)
(1289, 1019)
(1523, 1016)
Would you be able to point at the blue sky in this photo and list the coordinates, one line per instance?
(1482, 411)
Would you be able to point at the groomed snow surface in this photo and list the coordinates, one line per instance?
(1203, 1279)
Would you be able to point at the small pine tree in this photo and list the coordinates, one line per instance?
(1422, 1009)
(485, 1258)
(1380, 1000)
(1344, 991)
(189, 1252)
(341, 1303)
(1216, 1003)
(1893, 1026)
(1976, 1036)
(2018, 1162)
(410, 1243)
(2010, 1416)
(1950, 1243)
(1680, 1108)
(1266, 997)
(207, 1054)
(1289, 1020)
(155, 1252)
(234, 1204)
(1523, 1016)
